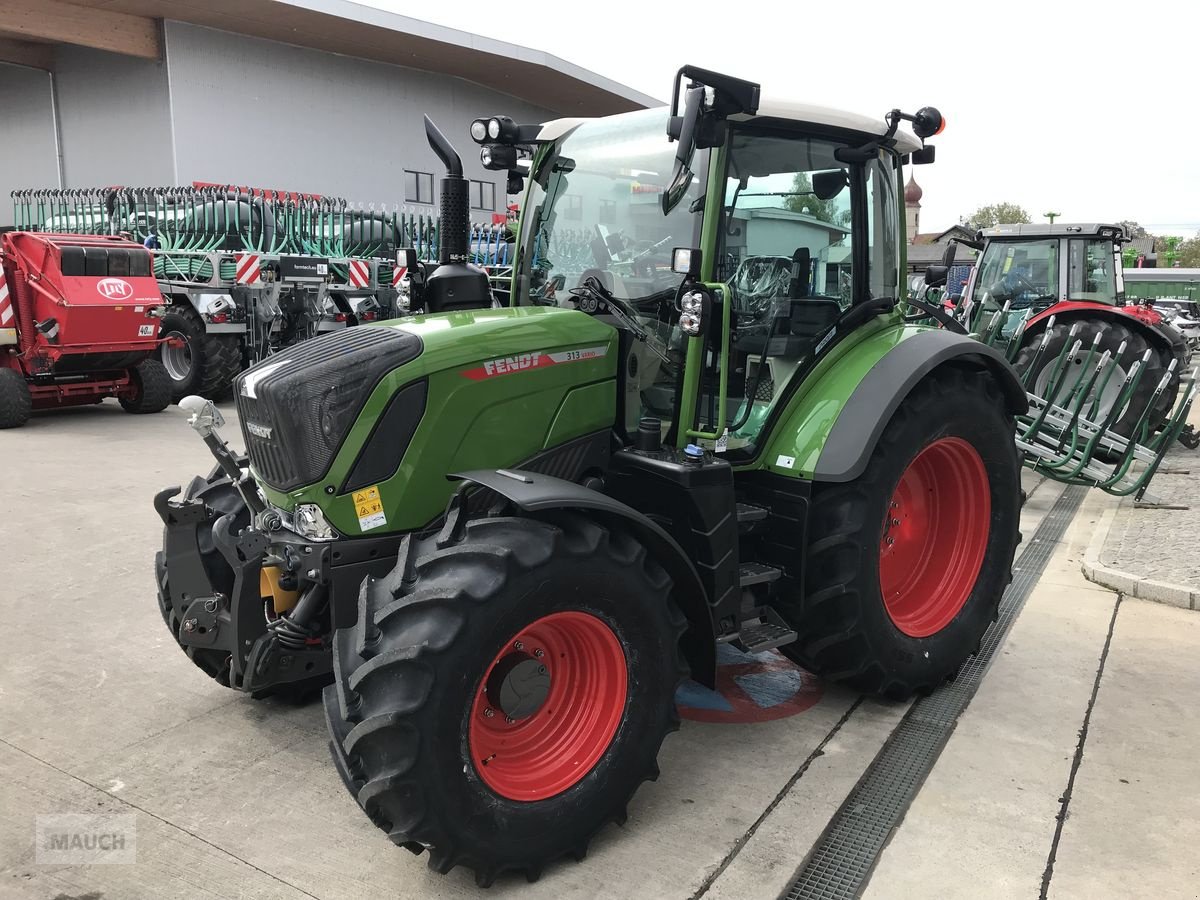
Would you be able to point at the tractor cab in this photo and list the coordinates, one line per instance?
(1032, 267)
(790, 226)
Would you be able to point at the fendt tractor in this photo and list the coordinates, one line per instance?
(1065, 282)
(79, 321)
(507, 534)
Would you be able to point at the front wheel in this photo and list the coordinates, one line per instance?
(906, 565)
(151, 388)
(16, 404)
(501, 703)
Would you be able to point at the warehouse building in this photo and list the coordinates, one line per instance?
(318, 96)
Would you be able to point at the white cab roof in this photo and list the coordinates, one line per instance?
(771, 107)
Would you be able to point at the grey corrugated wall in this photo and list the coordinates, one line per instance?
(114, 118)
(28, 154)
(261, 113)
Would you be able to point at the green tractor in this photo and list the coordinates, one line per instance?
(505, 535)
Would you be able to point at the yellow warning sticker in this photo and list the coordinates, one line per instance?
(369, 505)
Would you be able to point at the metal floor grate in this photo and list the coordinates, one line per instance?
(842, 860)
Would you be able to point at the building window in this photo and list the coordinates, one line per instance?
(574, 208)
(418, 187)
(483, 195)
(607, 214)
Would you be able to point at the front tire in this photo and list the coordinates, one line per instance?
(16, 403)
(907, 564)
(437, 725)
(152, 389)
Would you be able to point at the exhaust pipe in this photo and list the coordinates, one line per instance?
(455, 283)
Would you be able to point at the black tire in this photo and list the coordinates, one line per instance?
(407, 675)
(1112, 335)
(846, 631)
(152, 392)
(215, 359)
(219, 494)
(16, 404)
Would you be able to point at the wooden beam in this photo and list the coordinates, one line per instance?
(66, 23)
(27, 53)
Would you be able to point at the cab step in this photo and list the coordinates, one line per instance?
(765, 631)
(749, 515)
(757, 573)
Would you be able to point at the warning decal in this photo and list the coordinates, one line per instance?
(369, 507)
(536, 359)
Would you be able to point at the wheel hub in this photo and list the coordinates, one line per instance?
(518, 685)
(177, 355)
(934, 536)
(548, 706)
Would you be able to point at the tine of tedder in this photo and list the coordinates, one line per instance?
(1031, 432)
(1083, 388)
(1118, 359)
(997, 324)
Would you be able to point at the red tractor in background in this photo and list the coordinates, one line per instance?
(1059, 276)
(79, 319)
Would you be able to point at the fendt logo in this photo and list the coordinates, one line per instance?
(114, 288)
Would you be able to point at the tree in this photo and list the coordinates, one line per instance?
(809, 203)
(1189, 253)
(998, 214)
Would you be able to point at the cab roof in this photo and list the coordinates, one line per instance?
(793, 111)
(1058, 229)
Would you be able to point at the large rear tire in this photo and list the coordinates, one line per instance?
(906, 565)
(152, 389)
(16, 404)
(204, 364)
(1112, 335)
(456, 735)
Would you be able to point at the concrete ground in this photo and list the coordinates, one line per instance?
(1087, 713)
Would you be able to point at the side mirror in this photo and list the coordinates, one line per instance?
(684, 130)
(686, 261)
(827, 185)
(936, 276)
(924, 156)
(948, 256)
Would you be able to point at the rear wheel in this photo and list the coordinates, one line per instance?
(198, 362)
(504, 702)
(1112, 335)
(152, 388)
(907, 564)
(16, 404)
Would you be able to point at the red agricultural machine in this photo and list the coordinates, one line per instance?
(78, 323)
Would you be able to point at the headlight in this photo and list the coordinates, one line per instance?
(310, 522)
(690, 323)
(485, 156)
(692, 303)
(493, 128)
(479, 130)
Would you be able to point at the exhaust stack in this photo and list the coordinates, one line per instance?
(455, 283)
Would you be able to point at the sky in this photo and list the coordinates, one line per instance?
(1086, 109)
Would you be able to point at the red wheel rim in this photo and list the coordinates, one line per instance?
(935, 534)
(537, 753)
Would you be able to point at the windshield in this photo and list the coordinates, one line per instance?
(595, 208)
(1018, 272)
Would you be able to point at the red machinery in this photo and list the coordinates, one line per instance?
(78, 323)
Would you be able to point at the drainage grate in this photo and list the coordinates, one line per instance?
(841, 862)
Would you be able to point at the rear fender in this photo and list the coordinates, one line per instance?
(830, 432)
(533, 494)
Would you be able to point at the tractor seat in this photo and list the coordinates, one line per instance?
(808, 319)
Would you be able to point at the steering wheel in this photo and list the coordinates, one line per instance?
(1012, 284)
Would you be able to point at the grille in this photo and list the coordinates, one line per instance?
(307, 397)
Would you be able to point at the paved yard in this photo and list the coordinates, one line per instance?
(101, 713)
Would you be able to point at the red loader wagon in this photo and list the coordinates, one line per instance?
(79, 321)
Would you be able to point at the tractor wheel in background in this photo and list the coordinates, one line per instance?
(16, 404)
(503, 704)
(906, 565)
(1112, 335)
(220, 496)
(205, 364)
(152, 388)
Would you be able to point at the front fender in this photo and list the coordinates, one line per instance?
(832, 426)
(533, 493)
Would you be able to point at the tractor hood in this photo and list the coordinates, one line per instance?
(393, 408)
